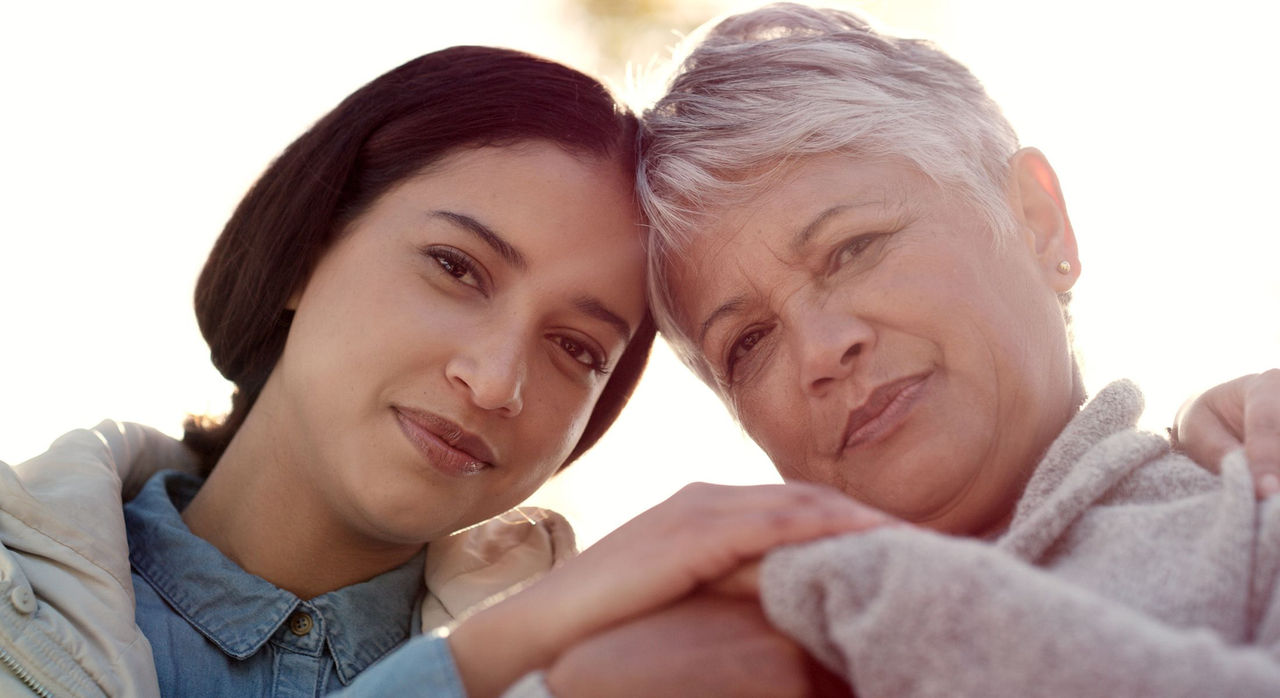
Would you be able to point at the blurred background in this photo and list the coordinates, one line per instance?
(130, 129)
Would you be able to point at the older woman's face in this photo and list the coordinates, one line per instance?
(873, 336)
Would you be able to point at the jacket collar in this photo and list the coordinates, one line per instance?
(237, 611)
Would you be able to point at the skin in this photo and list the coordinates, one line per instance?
(853, 282)
(1241, 413)
(411, 311)
(728, 649)
(647, 564)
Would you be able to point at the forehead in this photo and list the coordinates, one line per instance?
(734, 248)
(570, 222)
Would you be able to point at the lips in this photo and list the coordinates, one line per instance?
(446, 445)
(883, 411)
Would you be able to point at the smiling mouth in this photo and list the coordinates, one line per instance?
(445, 445)
(884, 410)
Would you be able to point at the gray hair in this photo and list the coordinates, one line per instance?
(768, 87)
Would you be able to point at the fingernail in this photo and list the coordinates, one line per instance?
(1269, 484)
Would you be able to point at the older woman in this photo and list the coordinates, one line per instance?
(857, 256)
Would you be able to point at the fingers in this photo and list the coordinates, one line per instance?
(700, 646)
(742, 583)
(1209, 426)
(699, 535)
(758, 518)
(708, 531)
(1262, 431)
(1242, 412)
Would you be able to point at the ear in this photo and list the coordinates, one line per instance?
(1041, 215)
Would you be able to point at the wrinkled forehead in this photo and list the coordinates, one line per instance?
(775, 213)
(703, 256)
(742, 251)
(706, 265)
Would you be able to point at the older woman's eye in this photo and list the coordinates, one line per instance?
(581, 352)
(741, 347)
(852, 249)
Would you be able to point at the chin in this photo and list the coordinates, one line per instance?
(952, 507)
(963, 518)
(403, 515)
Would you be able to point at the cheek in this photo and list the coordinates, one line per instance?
(778, 424)
(557, 409)
(377, 332)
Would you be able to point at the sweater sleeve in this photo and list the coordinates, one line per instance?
(907, 612)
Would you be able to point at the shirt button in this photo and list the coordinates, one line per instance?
(23, 599)
(300, 623)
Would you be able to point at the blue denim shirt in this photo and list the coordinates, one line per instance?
(216, 630)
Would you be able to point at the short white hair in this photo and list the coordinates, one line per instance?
(763, 89)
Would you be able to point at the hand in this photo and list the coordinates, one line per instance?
(742, 583)
(705, 645)
(1246, 410)
(699, 535)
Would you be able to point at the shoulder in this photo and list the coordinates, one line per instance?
(64, 555)
(1171, 477)
(476, 564)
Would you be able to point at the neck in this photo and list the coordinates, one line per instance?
(1057, 426)
(257, 508)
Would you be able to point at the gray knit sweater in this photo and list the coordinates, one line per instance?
(1126, 571)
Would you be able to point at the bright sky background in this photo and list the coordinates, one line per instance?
(130, 130)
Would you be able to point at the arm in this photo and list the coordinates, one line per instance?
(1246, 409)
(699, 535)
(63, 549)
(705, 645)
(907, 612)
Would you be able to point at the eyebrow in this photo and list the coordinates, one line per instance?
(726, 308)
(487, 235)
(801, 238)
(588, 305)
(593, 307)
(807, 233)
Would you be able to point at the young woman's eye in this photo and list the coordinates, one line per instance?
(457, 264)
(741, 347)
(582, 352)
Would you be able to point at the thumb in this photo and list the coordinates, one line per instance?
(1211, 425)
(1262, 431)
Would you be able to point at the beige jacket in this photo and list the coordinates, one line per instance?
(66, 593)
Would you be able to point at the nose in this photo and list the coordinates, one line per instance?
(492, 376)
(829, 346)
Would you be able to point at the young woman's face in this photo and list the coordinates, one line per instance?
(447, 350)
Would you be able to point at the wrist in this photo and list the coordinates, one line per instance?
(495, 647)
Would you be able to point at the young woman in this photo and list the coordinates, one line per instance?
(429, 303)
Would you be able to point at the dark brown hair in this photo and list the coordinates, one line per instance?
(387, 131)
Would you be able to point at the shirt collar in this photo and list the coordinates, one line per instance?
(237, 611)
